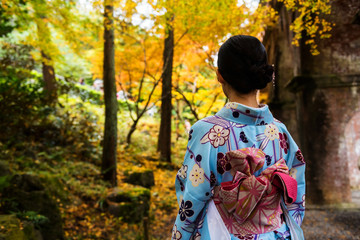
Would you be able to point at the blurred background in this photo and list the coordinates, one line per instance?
(97, 98)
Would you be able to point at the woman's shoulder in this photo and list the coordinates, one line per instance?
(280, 125)
(204, 123)
(201, 128)
(283, 130)
(286, 135)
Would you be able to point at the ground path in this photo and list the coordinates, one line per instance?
(330, 223)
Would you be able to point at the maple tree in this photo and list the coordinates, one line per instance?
(311, 20)
(139, 75)
(204, 24)
(41, 17)
(198, 28)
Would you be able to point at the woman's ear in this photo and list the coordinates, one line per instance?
(219, 77)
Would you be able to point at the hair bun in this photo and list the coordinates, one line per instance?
(261, 75)
(242, 62)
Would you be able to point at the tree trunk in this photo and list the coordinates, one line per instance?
(108, 167)
(164, 141)
(44, 34)
(131, 131)
(48, 72)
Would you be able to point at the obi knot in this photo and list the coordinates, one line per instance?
(250, 204)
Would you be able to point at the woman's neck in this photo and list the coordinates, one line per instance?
(249, 99)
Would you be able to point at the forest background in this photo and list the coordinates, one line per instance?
(96, 99)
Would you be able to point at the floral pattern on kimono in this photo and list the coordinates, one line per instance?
(234, 127)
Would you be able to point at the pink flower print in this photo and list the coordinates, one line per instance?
(218, 135)
(223, 163)
(284, 142)
(299, 156)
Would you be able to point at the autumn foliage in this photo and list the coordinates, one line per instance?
(63, 139)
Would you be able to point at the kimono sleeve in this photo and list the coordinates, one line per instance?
(297, 171)
(194, 182)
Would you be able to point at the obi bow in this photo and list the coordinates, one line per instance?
(250, 204)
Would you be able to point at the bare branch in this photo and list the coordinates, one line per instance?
(142, 78)
(157, 81)
(187, 102)
(212, 104)
(208, 56)
(181, 37)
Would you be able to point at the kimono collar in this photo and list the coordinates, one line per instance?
(239, 113)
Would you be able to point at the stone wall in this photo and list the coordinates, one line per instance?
(331, 106)
(352, 138)
(327, 89)
(327, 109)
(285, 57)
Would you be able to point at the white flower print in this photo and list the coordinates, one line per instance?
(197, 175)
(293, 172)
(197, 236)
(176, 235)
(182, 171)
(230, 105)
(180, 199)
(303, 201)
(271, 131)
(218, 136)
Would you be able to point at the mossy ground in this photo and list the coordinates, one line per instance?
(71, 173)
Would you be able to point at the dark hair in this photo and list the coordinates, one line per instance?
(242, 62)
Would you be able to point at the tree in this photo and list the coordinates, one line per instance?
(45, 40)
(298, 22)
(46, 16)
(164, 139)
(195, 43)
(187, 19)
(138, 70)
(141, 93)
(108, 166)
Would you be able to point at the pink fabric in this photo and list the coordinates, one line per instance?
(249, 204)
(288, 185)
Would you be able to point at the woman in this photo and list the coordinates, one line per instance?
(243, 174)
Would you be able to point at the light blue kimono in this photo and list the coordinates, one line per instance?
(234, 127)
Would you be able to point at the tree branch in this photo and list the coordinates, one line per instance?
(212, 104)
(187, 102)
(142, 79)
(127, 101)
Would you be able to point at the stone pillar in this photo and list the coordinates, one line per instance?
(286, 58)
(352, 136)
(326, 104)
(328, 98)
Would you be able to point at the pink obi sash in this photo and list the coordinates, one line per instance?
(249, 204)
